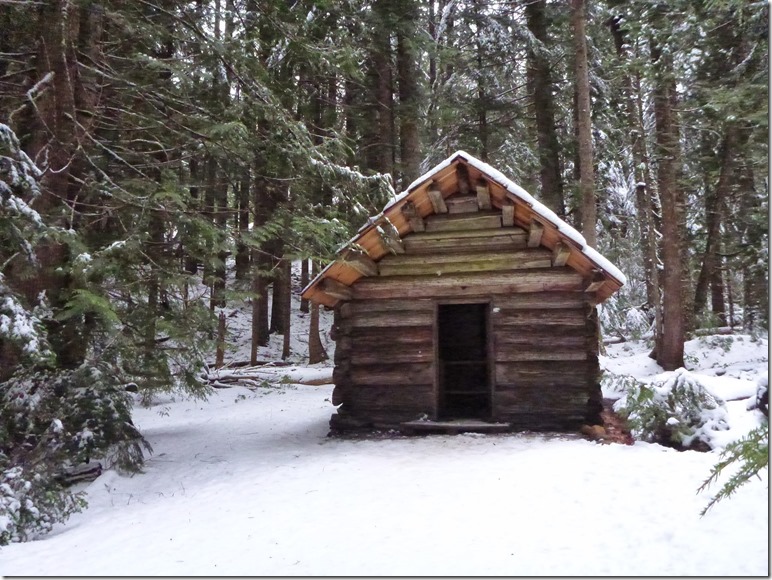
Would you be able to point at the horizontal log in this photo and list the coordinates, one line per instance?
(482, 233)
(550, 373)
(540, 354)
(512, 338)
(375, 400)
(540, 317)
(541, 300)
(462, 204)
(534, 399)
(372, 337)
(394, 354)
(459, 222)
(390, 374)
(497, 243)
(355, 307)
(392, 319)
(441, 264)
(457, 285)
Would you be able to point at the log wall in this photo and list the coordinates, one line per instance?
(543, 327)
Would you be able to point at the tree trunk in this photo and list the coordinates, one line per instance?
(670, 351)
(409, 94)
(316, 352)
(540, 79)
(584, 129)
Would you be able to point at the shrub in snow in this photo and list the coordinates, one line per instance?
(32, 501)
(676, 412)
(50, 421)
(748, 455)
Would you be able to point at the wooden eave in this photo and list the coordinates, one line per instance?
(369, 240)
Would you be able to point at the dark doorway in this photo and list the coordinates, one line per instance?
(463, 361)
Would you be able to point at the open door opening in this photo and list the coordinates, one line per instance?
(464, 384)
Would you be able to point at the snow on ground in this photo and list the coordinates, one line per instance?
(248, 483)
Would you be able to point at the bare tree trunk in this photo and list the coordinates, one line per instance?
(670, 352)
(286, 310)
(304, 280)
(409, 93)
(540, 78)
(316, 352)
(586, 173)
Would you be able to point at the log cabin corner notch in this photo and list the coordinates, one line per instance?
(466, 299)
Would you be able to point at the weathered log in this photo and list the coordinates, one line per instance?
(394, 354)
(550, 373)
(541, 300)
(595, 282)
(356, 307)
(458, 285)
(544, 354)
(543, 317)
(483, 194)
(463, 222)
(571, 338)
(373, 337)
(382, 400)
(389, 374)
(391, 318)
(505, 240)
(442, 264)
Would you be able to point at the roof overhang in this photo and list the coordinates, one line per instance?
(358, 257)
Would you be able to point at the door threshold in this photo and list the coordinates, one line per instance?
(453, 426)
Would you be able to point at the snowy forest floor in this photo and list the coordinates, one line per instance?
(248, 483)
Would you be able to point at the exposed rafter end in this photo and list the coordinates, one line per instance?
(508, 215)
(435, 196)
(594, 283)
(560, 254)
(411, 214)
(360, 262)
(336, 289)
(483, 194)
(535, 232)
(390, 240)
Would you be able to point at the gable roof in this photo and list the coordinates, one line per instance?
(458, 172)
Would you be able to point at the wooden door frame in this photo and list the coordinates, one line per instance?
(489, 347)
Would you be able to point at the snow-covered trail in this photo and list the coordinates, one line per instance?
(248, 484)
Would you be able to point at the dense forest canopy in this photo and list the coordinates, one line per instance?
(148, 146)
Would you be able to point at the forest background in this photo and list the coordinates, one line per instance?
(148, 146)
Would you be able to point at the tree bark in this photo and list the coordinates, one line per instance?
(584, 119)
(316, 352)
(409, 93)
(670, 351)
(539, 74)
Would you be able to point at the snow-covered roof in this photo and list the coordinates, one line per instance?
(514, 193)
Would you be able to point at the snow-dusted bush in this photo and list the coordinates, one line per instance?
(52, 420)
(31, 502)
(677, 411)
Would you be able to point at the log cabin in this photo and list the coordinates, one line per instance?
(466, 303)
